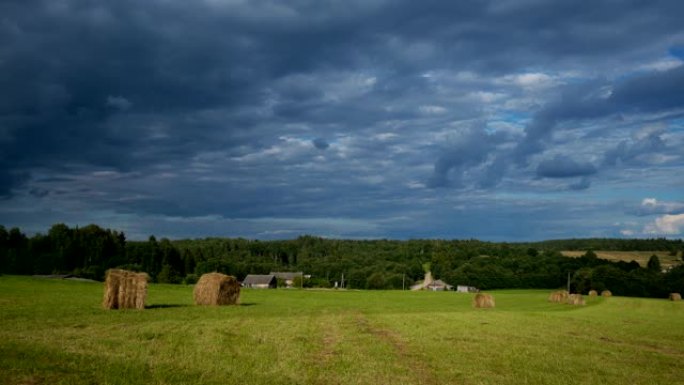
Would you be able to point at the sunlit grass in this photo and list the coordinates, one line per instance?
(55, 332)
(642, 257)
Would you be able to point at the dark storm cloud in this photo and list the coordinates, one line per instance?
(347, 110)
(471, 147)
(564, 167)
(637, 149)
(320, 144)
(651, 92)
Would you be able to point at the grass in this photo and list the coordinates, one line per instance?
(642, 257)
(55, 332)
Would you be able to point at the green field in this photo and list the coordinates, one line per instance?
(642, 257)
(55, 332)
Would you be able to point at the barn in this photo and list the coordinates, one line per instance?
(288, 277)
(260, 281)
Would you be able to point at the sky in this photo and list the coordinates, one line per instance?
(496, 120)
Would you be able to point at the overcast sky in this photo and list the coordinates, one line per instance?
(496, 120)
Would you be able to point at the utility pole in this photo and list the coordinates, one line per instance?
(342, 285)
(403, 279)
(568, 281)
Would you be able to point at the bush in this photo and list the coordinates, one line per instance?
(376, 282)
(168, 275)
(191, 279)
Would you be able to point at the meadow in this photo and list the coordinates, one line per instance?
(55, 332)
(642, 257)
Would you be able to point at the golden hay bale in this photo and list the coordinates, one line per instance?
(560, 296)
(125, 289)
(217, 289)
(675, 297)
(606, 293)
(482, 300)
(593, 293)
(576, 299)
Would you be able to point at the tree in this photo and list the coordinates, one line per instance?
(376, 281)
(653, 263)
(3, 249)
(168, 275)
(590, 254)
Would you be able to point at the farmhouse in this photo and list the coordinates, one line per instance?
(439, 285)
(466, 289)
(256, 281)
(289, 277)
(430, 283)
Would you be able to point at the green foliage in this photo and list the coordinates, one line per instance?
(168, 274)
(375, 264)
(191, 279)
(376, 281)
(654, 263)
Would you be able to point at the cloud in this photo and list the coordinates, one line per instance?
(666, 224)
(224, 109)
(651, 206)
(564, 167)
(467, 148)
(118, 102)
(320, 143)
(582, 184)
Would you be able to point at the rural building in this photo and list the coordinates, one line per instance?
(257, 281)
(289, 277)
(466, 289)
(430, 283)
(439, 285)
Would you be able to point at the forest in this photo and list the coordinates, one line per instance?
(359, 264)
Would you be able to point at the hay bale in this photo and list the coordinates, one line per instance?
(593, 293)
(217, 289)
(606, 293)
(482, 300)
(675, 297)
(576, 300)
(560, 296)
(125, 289)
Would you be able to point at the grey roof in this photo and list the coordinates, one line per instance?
(287, 274)
(257, 279)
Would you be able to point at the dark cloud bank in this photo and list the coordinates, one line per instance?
(355, 119)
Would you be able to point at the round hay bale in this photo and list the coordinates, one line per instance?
(124, 289)
(482, 300)
(606, 293)
(217, 289)
(576, 300)
(675, 297)
(560, 296)
(593, 293)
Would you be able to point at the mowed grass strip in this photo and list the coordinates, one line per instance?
(55, 332)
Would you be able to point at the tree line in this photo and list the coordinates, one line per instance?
(363, 264)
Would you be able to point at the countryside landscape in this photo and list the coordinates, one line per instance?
(373, 330)
(341, 192)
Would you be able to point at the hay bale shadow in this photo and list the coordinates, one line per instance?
(165, 306)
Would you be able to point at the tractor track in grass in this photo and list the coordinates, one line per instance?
(407, 356)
